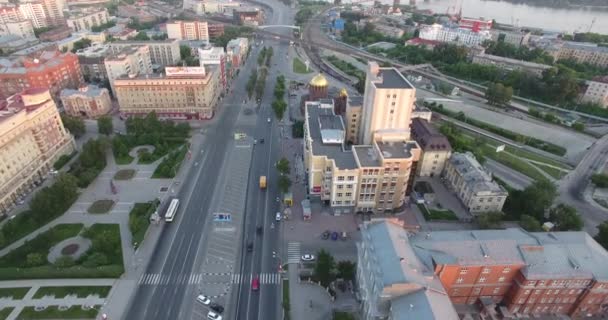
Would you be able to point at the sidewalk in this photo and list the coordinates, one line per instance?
(308, 301)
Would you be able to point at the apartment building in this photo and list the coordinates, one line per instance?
(353, 118)
(517, 38)
(181, 93)
(214, 56)
(32, 138)
(10, 13)
(597, 91)
(20, 28)
(389, 31)
(473, 184)
(436, 148)
(91, 62)
(509, 64)
(387, 104)
(393, 282)
(540, 273)
(162, 53)
(52, 70)
(87, 19)
(237, 49)
(215, 30)
(130, 60)
(247, 16)
(35, 12)
(366, 178)
(582, 52)
(86, 102)
(188, 30)
(462, 36)
(55, 34)
(474, 24)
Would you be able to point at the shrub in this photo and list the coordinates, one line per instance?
(64, 262)
(34, 260)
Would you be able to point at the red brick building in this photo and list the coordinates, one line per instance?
(215, 30)
(56, 34)
(51, 70)
(528, 273)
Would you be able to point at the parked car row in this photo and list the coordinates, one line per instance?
(216, 309)
(334, 235)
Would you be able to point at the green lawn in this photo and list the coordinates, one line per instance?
(139, 220)
(123, 160)
(432, 214)
(512, 162)
(4, 312)
(79, 291)
(300, 67)
(338, 315)
(286, 303)
(555, 173)
(169, 167)
(535, 157)
(101, 206)
(74, 312)
(15, 293)
(125, 174)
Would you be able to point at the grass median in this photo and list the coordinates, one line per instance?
(286, 303)
(79, 291)
(139, 220)
(14, 293)
(4, 312)
(53, 312)
(300, 67)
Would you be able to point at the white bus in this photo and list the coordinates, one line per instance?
(170, 214)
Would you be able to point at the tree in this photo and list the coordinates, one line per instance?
(347, 270)
(74, 125)
(578, 126)
(529, 223)
(34, 259)
(324, 268)
(600, 180)
(533, 201)
(81, 44)
(602, 234)
(498, 94)
(104, 125)
(64, 262)
(185, 52)
(489, 220)
(279, 107)
(566, 218)
(141, 36)
(284, 184)
(283, 166)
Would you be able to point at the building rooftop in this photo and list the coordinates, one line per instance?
(390, 78)
(98, 50)
(367, 156)
(428, 137)
(585, 46)
(123, 53)
(397, 149)
(474, 173)
(317, 111)
(90, 91)
(522, 63)
(355, 101)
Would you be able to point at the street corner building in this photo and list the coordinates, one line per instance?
(87, 102)
(187, 93)
(32, 138)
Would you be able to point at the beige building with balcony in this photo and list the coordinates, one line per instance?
(87, 19)
(87, 102)
(181, 93)
(365, 178)
(188, 30)
(130, 60)
(32, 138)
(436, 148)
(597, 91)
(162, 52)
(473, 184)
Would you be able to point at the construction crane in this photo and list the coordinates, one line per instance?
(591, 25)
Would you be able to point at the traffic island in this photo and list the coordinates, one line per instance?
(101, 206)
(125, 174)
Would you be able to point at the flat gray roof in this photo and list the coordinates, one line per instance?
(392, 79)
(397, 149)
(367, 156)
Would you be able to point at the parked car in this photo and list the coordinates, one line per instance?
(262, 140)
(216, 307)
(308, 257)
(334, 236)
(203, 299)
(268, 120)
(278, 216)
(213, 316)
(344, 235)
(259, 230)
(326, 234)
(250, 246)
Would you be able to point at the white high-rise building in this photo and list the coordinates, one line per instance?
(463, 36)
(22, 28)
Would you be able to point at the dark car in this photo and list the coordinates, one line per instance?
(216, 307)
(250, 247)
(262, 140)
(259, 230)
(334, 236)
(326, 234)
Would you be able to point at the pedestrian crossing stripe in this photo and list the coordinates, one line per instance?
(207, 278)
(293, 252)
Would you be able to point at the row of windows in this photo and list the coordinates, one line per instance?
(485, 270)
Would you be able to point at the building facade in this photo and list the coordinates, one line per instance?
(162, 53)
(181, 93)
(517, 38)
(35, 12)
(509, 64)
(387, 104)
(131, 60)
(436, 148)
(597, 91)
(91, 62)
(188, 30)
(10, 13)
(214, 56)
(247, 16)
(87, 19)
(474, 24)
(87, 102)
(581, 52)
(32, 138)
(393, 282)
(237, 50)
(473, 184)
(353, 119)
(462, 36)
(52, 70)
(20, 28)
(55, 34)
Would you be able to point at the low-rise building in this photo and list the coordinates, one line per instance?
(67, 44)
(86, 102)
(180, 93)
(20, 28)
(463, 36)
(473, 184)
(597, 91)
(32, 138)
(474, 24)
(56, 34)
(389, 31)
(248, 16)
(12, 43)
(418, 42)
(237, 49)
(517, 38)
(214, 56)
(436, 148)
(91, 61)
(87, 19)
(393, 281)
(509, 64)
(162, 52)
(129, 61)
(581, 52)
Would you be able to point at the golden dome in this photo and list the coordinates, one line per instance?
(318, 81)
(343, 92)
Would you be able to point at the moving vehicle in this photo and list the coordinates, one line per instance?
(255, 283)
(259, 230)
(262, 140)
(268, 120)
(249, 246)
(203, 299)
(278, 216)
(308, 257)
(262, 182)
(170, 214)
(213, 316)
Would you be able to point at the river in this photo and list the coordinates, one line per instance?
(556, 19)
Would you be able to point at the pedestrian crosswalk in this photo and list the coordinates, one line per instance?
(205, 278)
(293, 252)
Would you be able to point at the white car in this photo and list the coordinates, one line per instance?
(53, 172)
(308, 257)
(203, 299)
(213, 316)
(278, 216)
(268, 120)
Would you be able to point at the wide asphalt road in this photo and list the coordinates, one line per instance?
(175, 254)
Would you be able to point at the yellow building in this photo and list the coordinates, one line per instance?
(181, 93)
(89, 101)
(32, 138)
(365, 178)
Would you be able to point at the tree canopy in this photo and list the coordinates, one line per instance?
(565, 218)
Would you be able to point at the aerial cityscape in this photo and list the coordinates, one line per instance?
(303, 159)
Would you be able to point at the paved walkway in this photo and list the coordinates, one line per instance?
(308, 301)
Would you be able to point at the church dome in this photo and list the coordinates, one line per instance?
(318, 81)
